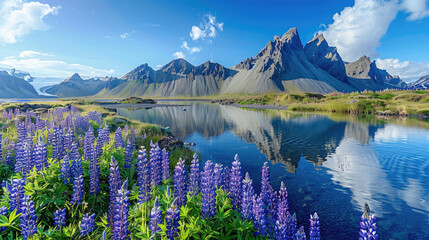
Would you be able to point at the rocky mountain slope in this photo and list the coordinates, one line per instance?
(14, 87)
(327, 58)
(364, 74)
(283, 65)
(178, 77)
(17, 73)
(75, 86)
(422, 83)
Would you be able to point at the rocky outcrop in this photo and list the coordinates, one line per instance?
(327, 58)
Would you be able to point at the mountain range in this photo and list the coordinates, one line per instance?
(283, 65)
(15, 86)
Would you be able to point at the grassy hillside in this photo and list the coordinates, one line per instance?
(382, 102)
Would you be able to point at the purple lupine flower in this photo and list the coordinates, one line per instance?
(28, 218)
(217, 175)
(155, 217)
(300, 235)
(285, 226)
(194, 176)
(1, 151)
(10, 160)
(89, 154)
(88, 145)
(120, 217)
(235, 183)
(94, 175)
(259, 216)
(208, 189)
(76, 160)
(16, 194)
(132, 138)
(56, 143)
(172, 218)
(19, 156)
(87, 224)
(3, 211)
(78, 189)
(368, 225)
(114, 185)
(65, 170)
(155, 164)
(180, 183)
(43, 151)
(119, 141)
(165, 164)
(60, 218)
(27, 163)
(269, 198)
(247, 198)
(314, 227)
(283, 196)
(128, 154)
(143, 176)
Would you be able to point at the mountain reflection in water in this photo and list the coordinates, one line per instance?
(354, 160)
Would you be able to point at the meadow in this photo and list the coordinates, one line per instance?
(387, 102)
(77, 171)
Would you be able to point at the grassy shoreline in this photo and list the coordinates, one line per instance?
(388, 103)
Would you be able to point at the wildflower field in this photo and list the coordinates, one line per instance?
(68, 175)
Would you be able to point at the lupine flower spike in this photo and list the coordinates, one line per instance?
(180, 183)
(209, 191)
(155, 218)
(87, 224)
(120, 216)
(60, 218)
(28, 218)
(235, 183)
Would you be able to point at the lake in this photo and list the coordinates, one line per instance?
(331, 164)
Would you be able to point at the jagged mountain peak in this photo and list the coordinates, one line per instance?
(141, 72)
(178, 65)
(211, 68)
(319, 40)
(74, 77)
(291, 37)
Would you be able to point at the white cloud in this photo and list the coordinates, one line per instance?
(179, 54)
(124, 36)
(39, 67)
(207, 29)
(357, 30)
(190, 50)
(417, 8)
(19, 18)
(31, 53)
(406, 70)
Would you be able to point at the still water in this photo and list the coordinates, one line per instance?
(330, 164)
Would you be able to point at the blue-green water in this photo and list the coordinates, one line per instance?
(346, 161)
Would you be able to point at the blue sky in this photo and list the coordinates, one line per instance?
(52, 38)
